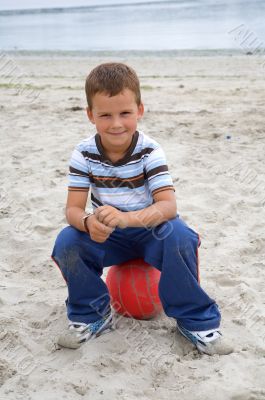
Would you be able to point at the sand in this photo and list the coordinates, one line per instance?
(208, 114)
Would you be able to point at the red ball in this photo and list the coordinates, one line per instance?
(133, 288)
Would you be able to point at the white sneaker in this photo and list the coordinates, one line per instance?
(209, 342)
(79, 332)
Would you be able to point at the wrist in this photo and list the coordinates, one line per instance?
(85, 221)
(135, 219)
(129, 219)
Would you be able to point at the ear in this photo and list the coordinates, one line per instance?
(140, 111)
(90, 115)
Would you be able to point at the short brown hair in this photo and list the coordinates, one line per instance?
(112, 78)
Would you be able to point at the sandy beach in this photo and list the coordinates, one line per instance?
(208, 114)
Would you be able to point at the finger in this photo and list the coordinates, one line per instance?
(98, 210)
(103, 215)
(109, 230)
(101, 238)
(101, 234)
(111, 221)
(102, 228)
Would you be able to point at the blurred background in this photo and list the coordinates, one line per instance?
(113, 25)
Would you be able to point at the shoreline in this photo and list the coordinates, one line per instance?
(131, 53)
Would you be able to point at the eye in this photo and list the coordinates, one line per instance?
(125, 113)
(104, 115)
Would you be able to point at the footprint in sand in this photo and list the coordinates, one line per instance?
(255, 394)
(227, 281)
(6, 371)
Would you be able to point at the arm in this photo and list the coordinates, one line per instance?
(162, 210)
(75, 211)
(161, 186)
(78, 190)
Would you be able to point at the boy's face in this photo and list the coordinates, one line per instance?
(116, 119)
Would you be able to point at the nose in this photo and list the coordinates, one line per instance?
(116, 123)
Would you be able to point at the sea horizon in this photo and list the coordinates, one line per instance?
(132, 25)
(69, 4)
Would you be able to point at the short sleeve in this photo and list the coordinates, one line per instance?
(78, 177)
(156, 172)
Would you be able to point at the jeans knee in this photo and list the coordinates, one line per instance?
(176, 232)
(67, 241)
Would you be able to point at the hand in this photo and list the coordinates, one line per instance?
(98, 231)
(111, 217)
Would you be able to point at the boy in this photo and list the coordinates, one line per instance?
(135, 216)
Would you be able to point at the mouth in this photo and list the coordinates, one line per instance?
(117, 133)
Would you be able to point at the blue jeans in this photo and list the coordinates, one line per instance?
(171, 247)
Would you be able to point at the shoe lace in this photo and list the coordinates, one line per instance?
(93, 327)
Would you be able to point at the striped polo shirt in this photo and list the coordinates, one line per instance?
(128, 184)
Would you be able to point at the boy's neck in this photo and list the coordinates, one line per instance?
(116, 154)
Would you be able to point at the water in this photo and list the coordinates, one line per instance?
(164, 25)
